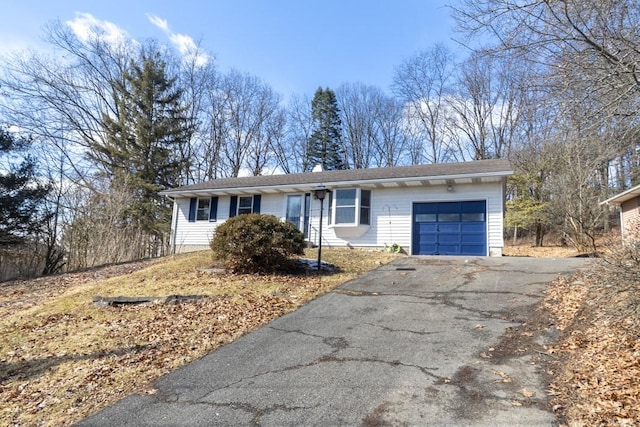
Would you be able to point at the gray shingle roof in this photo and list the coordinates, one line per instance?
(497, 167)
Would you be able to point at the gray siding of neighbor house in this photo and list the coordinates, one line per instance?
(630, 216)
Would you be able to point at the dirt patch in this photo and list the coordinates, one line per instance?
(376, 419)
(527, 339)
(471, 393)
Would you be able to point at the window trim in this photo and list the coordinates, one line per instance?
(198, 214)
(250, 207)
(204, 211)
(234, 204)
(357, 207)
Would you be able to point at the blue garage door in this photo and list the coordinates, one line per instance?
(450, 228)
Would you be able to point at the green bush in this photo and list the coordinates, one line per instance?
(257, 243)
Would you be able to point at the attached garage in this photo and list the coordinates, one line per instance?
(450, 228)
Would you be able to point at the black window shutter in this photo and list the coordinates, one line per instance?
(233, 206)
(256, 203)
(213, 209)
(193, 207)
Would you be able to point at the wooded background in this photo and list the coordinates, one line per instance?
(100, 126)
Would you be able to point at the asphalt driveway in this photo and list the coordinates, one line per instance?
(416, 342)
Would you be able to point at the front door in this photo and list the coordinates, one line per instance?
(298, 211)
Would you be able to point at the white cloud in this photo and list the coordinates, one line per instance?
(87, 27)
(159, 22)
(182, 42)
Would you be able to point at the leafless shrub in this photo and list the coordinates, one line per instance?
(620, 278)
(100, 233)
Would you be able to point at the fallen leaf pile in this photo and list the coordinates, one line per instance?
(597, 373)
(63, 358)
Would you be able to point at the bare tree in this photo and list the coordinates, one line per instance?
(590, 45)
(292, 149)
(60, 99)
(391, 143)
(196, 79)
(247, 104)
(359, 105)
(424, 82)
(487, 106)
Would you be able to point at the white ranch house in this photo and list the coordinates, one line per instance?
(437, 209)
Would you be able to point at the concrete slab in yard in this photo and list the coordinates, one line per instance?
(407, 344)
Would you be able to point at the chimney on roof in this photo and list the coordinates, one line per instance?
(317, 168)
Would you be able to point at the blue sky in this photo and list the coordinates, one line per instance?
(293, 45)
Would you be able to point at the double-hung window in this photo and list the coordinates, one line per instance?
(239, 205)
(350, 206)
(203, 209)
(204, 206)
(245, 205)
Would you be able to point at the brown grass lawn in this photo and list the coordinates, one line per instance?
(63, 358)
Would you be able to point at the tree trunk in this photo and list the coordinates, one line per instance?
(539, 235)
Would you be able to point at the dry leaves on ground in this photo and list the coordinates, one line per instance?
(597, 376)
(62, 358)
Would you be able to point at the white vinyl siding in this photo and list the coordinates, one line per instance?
(389, 211)
(391, 215)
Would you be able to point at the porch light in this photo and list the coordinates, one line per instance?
(320, 193)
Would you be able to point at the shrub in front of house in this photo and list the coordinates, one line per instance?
(257, 243)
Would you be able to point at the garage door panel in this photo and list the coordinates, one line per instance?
(448, 240)
(428, 250)
(471, 249)
(473, 238)
(449, 228)
(448, 250)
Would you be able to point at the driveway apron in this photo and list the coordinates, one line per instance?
(409, 343)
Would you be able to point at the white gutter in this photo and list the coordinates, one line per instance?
(623, 197)
(284, 187)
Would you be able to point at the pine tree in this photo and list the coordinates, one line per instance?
(325, 143)
(141, 151)
(21, 195)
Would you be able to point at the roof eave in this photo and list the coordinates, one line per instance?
(285, 187)
(618, 199)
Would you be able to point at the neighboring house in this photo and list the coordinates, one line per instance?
(629, 203)
(437, 209)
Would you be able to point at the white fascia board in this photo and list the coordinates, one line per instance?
(622, 197)
(289, 188)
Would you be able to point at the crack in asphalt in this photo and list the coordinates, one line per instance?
(388, 329)
(257, 413)
(337, 343)
(456, 297)
(424, 369)
(160, 397)
(448, 298)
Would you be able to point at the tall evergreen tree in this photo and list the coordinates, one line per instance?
(325, 143)
(21, 195)
(141, 151)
